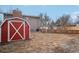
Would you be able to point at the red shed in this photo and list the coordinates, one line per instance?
(15, 28)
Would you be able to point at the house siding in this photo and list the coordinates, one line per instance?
(35, 24)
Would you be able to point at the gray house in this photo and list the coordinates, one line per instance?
(34, 21)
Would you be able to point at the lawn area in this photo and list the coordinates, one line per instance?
(44, 43)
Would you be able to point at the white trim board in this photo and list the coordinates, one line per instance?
(14, 18)
(0, 34)
(17, 30)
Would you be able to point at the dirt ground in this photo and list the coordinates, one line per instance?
(44, 43)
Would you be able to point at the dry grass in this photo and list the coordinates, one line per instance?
(45, 42)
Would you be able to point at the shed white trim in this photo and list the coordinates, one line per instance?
(9, 27)
(16, 30)
(0, 34)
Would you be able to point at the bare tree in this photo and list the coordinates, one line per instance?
(63, 20)
(52, 24)
(77, 22)
(44, 19)
(41, 18)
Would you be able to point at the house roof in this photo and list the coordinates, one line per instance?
(10, 14)
(37, 17)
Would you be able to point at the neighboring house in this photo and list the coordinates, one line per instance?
(34, 21)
